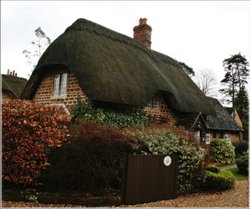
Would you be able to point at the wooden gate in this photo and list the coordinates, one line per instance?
(150, 178)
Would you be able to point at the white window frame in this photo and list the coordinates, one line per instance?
(60, 85)
(207, 138)
(63, 86)
(56, 85)
(154, 103)
(227, 136)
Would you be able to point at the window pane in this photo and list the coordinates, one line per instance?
(56, 85)
(207, 139)
(156, 102)
(63, 89)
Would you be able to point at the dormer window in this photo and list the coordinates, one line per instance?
(60, 85)
(154, 103)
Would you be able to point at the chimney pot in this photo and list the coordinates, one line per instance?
(142, 32)
(144, 21)
(8, 71)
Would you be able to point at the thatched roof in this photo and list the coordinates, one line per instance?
(13, 84)
(112, 67)
(229, 110)
(223, 120)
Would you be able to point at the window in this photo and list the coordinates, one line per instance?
(60, 84)
(154, 103)
(207, 138)
(214, 135)
(63, 84)
(227, 137)
(221, 135)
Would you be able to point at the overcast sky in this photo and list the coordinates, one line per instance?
(200, 33)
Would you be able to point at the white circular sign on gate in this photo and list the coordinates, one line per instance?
(167, 161)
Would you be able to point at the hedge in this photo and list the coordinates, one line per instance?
(30, 130)
(218, 181)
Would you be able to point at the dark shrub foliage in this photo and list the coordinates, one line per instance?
(242, 164)
(222, 180)
(93, 161)
(213, 168)
(241, 148)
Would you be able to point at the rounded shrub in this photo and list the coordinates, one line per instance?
(222, 151)
(222, 180)
(241, 148)
(242, 164)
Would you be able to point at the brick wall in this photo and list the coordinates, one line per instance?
(161, 114)
(234, 136)
(44, 93)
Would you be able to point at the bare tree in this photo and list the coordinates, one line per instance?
(39, 45)
(206, 81)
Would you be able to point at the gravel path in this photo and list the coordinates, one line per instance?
(237, 197)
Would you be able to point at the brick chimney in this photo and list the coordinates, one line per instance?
(142, 32)
(11, 73)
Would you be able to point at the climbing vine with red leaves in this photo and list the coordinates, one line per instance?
(29, 131)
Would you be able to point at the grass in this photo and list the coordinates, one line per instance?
(237, 175)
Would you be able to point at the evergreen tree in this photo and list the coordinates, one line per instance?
(241, 105)
(235, 76)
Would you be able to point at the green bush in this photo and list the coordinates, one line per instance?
(222, 151)
(108, 117)
(213, 168)
(242, 164)
(176, 141)
(222, 180)
(241, 148)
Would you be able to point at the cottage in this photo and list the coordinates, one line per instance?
(12, 86)
(98, 65)
(208, 127)
(222, 125)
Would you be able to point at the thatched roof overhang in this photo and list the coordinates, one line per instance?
(112, 67)
(13, 84)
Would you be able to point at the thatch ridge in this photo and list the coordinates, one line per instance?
(112, 67)
(83, 24)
